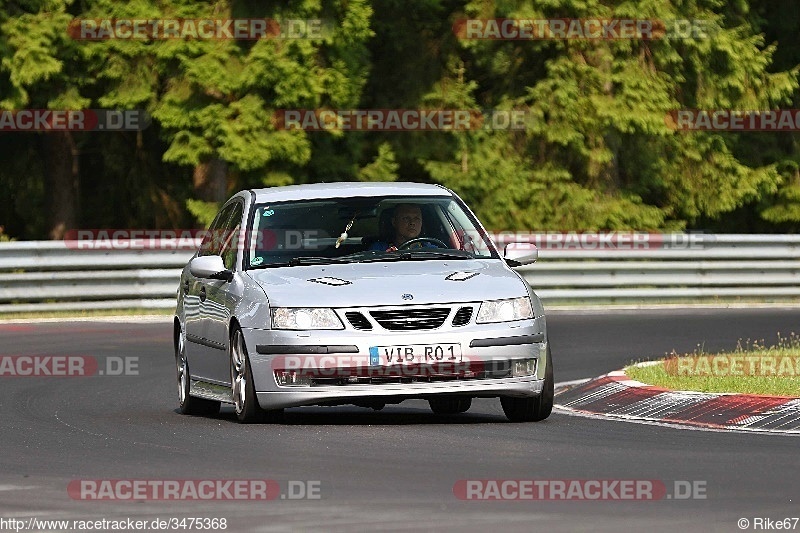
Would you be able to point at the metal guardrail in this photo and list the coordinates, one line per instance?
(53, 275)
(59, 275)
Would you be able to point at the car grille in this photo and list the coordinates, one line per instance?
(411, 319)
(462, 316)
(358, 321)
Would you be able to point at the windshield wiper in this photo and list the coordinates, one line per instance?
(359, 256)
(371, 257)
(416, 256)
(314, 260)
(454, 254)
(300, 261)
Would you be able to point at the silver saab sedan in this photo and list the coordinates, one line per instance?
(357, 293)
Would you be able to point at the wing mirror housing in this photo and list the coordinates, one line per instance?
(210, 267)
(520, 253)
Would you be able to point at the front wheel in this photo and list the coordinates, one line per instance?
(189, 405)
(533, 409)
(243, 389)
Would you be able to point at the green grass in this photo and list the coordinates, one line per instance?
(753, 368)
(87, 313)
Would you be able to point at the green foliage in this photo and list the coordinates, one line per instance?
(220, 96)
(3, 236)
(596, 153)
(784, 205)
(383, 168)
(203, 212)
(40, 65)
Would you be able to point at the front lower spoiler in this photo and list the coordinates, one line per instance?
(299, 396)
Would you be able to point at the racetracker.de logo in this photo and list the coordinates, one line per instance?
(400, 119)
(577, 490)
(189, 239)
(173, 489)
(44, 120)
(382, 363)
(599, 241)
(602, 29)
(67, 366)
(139, 239)
(734, 365)
(197, 29)
(733, 120)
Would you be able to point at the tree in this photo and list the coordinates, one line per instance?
(220, 97)
(599, 153)
(41, 68)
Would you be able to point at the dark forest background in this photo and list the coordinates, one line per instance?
(598, 154)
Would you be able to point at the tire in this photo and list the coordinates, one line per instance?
(536, 408)
(450, 406)
(189, 405)
(243, 390)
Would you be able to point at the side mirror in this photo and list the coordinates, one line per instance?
(520, 253)
(210, 267)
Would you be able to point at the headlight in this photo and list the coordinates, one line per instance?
(505, 310)
(305, 318)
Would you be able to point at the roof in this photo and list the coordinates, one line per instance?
(347, 190)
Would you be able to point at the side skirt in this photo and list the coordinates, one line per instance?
(211, 391)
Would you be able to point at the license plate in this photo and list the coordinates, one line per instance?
(414, 354)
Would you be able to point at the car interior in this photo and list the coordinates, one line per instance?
(314, 232)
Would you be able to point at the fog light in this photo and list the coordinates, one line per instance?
(291, 378)
(523, 367)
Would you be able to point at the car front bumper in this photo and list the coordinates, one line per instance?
(484, 345)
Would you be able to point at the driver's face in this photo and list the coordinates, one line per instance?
(407, 222)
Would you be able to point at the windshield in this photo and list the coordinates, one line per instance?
(346, 230)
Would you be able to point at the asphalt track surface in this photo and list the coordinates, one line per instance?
(388, 470)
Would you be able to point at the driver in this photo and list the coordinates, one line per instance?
(407, 225)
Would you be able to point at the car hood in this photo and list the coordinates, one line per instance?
(378, 284)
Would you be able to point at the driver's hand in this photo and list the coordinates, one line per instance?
(391, 249)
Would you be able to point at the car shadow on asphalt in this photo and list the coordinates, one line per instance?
(393, 415)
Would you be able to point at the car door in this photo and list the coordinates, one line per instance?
(222, 296)
(199, 350)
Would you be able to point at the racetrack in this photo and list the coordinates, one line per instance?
(394, 469)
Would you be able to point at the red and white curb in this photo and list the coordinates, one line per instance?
(616, 395)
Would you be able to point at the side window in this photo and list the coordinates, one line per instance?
(212, 240)
(217, 236)
(232, 237)
(469, 237)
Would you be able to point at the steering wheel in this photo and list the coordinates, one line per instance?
(407, 244)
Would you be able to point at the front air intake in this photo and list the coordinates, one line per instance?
(358, 321)
(463, 316)
(411, 319)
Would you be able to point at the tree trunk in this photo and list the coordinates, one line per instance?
(211, 181)
(61, 166)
